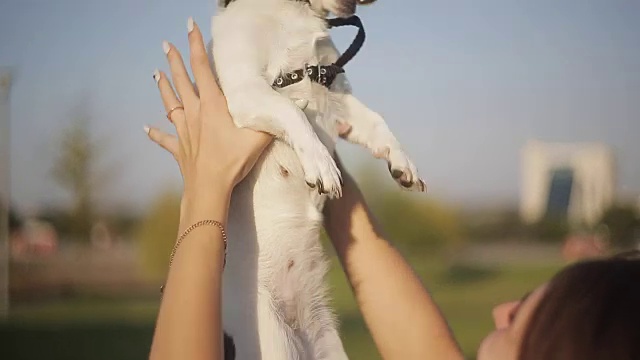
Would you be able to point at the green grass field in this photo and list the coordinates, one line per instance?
(93, 329)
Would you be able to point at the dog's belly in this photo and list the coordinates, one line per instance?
(275, 259)
(274, 296)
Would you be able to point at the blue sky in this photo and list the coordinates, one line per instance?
(462, 84)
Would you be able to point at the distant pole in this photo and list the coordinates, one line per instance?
(5, 198)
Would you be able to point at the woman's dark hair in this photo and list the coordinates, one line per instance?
(590, 311)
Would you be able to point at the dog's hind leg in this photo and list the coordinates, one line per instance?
(277, 340)
(329, 346)
(317, 321)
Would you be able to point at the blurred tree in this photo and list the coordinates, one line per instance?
(157, 234)
(76, 169)
(622, 224)
(416, 224)
(124, 220)
(550, 229)
(413, 221)
(15, 221)
(493, 224)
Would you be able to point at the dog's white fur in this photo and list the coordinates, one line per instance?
(274, 296)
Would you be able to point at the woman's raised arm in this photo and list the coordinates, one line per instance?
(213, 155)
(402, 317)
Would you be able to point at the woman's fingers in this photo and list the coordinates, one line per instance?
(343, 129)
(167, 141)
(257, 139)
(179, 74)
(171, 104)
(253, 142)
(168, 96)
(206, 82)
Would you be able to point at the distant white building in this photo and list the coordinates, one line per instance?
(576, 180)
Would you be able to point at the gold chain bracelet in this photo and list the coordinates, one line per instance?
(190, 229)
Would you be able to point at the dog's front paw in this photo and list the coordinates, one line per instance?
(402, 169)
(320, 169)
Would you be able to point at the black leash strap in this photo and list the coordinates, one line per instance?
(356, 44)
(326, 74)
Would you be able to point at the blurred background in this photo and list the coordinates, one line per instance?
(523, 117)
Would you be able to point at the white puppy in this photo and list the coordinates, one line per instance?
(274, 297)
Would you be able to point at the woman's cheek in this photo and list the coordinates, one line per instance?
(496, 346)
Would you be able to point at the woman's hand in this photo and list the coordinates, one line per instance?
(213, 154)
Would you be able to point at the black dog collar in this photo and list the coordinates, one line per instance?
(326, 74)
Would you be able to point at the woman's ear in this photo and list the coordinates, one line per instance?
(503, 314)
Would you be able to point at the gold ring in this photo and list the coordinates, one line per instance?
(172, 110)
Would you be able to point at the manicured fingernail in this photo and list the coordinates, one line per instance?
(190, 24)
(156, 75)
(166, 47)
(147, 129)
